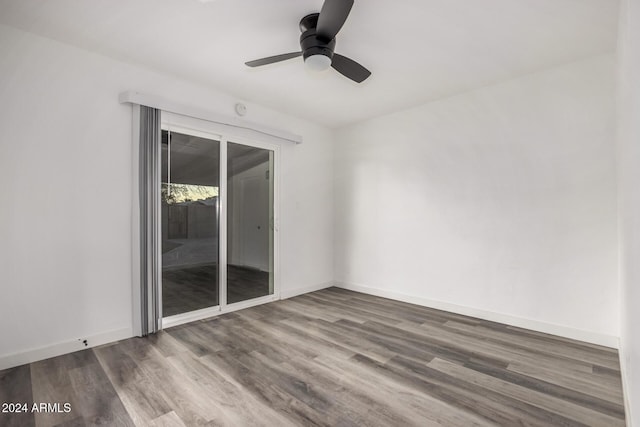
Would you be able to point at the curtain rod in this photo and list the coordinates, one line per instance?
(133, 97)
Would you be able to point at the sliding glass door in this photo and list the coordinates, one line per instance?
(217, 209)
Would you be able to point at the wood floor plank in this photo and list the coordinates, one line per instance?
(195, 339)
(313, 310)
(391, 314)
(407, 314)
(344, 337)
(555, 376)
(15, 388)
(569, 341)
(182, 394)
(265, 387)
(95, 398)
(549, 346)
(578, 413)
(272, 342)
(518, 351)
(51, 383)
(563, 393)
(493, 403)
(136, 390)
(461, 401)
(329, 358)
(227, 394)
(418, 347)
(354, 313)
(419, 313)
(166, 344)
(250, 337)
(415, 408)
(170, 419)
(324, 394)
(296, 333)
(610, 376)
(503, 351)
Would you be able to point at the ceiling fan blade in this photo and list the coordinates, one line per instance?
(272, 59)
(349, 68)
(332, 17)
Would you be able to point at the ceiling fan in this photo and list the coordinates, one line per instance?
(318, 40)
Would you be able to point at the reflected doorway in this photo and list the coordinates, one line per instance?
(249, 222)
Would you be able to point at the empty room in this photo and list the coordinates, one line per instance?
(320, 213)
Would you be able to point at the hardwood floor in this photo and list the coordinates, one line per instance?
(332, 357)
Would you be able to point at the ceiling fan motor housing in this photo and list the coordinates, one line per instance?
(318, 41)
(310, 43)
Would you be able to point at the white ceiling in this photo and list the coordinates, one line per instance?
(417, 50)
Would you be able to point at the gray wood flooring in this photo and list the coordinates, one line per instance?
(331, 357)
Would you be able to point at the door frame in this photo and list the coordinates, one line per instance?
(209, 130)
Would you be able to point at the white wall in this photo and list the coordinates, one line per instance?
(66, 170)
(629, 191)
(500, 202)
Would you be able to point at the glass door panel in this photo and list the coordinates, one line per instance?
(250, 193)
(190, 218)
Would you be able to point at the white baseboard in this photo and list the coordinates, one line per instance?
(625, 384)
(535, 325)
(34, 355)
(290, 293)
